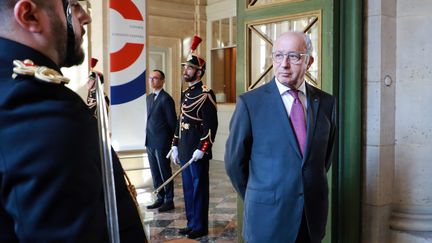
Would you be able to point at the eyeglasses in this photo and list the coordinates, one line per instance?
(153, 78)
(73, 4)
(293, 57)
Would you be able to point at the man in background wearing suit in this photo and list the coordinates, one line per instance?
(280, 173)
(161, 123)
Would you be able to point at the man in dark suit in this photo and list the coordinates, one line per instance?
(193, 139)
(50, 168)
(161, 122)
(280, 148)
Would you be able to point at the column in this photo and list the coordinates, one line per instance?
(411, 217)
(379, 96)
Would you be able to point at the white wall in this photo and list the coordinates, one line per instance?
(413, 167)
(219, 9)
(397, 202)
(379, 116)
(225, 112)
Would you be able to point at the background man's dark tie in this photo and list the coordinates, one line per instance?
(151, 101)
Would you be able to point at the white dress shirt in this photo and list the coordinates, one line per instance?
(156, 93)
(289, 99)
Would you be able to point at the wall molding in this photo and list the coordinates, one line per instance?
(411, 218)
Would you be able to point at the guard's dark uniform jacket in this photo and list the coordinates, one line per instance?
(196, 129)
(50, 170)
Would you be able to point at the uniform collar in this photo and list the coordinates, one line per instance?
(18, 51)
(198, 84)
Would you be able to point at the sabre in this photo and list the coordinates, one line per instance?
(107, 166)
(155, 192)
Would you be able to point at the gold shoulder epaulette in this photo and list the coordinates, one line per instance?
(28, 68)
(205, 88)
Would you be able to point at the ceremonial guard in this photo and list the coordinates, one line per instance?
(193, 139)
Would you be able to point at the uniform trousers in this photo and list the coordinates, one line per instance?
(196, 194)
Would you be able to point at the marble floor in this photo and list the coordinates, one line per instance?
(162, 227)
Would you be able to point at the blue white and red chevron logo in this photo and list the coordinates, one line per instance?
(127, 51)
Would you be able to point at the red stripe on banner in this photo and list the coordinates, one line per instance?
(127, 9)
(125, 57)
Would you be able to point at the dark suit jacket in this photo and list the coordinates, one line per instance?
(266, 168)
(161, 121)
(50, 169)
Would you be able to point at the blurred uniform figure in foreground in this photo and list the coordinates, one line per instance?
(50, 167)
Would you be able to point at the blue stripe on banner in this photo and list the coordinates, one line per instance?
(129, 91)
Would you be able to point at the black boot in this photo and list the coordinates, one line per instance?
(156, 204)
(166, 207)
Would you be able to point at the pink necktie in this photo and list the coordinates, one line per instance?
(297, 117)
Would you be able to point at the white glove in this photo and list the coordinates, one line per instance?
(197, 155)
(173, 155)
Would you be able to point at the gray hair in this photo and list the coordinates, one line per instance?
(308, 42)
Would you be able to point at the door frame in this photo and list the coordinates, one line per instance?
(347, 199)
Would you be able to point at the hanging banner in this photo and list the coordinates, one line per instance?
(128, 73)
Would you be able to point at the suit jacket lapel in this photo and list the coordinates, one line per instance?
(313, 101)
(150, 104)
(275, 98)
(155, 102)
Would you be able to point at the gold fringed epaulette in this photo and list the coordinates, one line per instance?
(205, 88)
(28, 68)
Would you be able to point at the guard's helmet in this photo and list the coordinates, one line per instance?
(192, 59)
(196, 62)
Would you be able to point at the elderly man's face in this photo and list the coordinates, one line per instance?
(286, 69)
